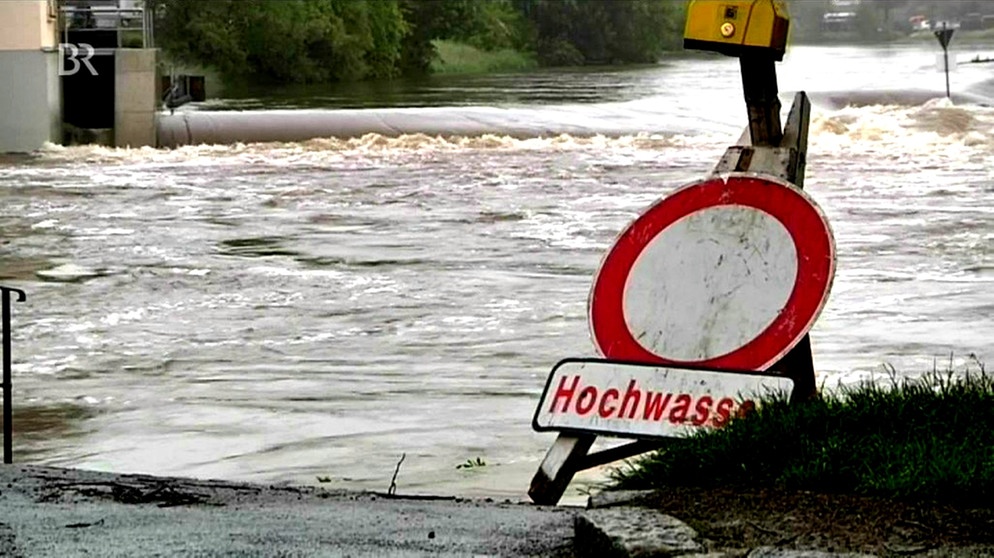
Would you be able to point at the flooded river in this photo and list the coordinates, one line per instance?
(283, 312)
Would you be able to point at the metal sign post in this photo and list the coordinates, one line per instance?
(8, 409)
(945, 36)
(585, 399)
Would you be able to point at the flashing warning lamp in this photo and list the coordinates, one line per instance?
(738, 27)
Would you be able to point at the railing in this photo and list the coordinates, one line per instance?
(122, 20)
(8, 405)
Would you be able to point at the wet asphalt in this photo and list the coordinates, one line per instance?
(55, 512)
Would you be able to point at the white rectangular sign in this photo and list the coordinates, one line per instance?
(646, 401)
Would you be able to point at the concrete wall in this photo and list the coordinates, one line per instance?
(136, 97)
(30, 114)
(28, 24)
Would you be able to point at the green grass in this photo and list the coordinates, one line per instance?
(459, 58)
(930, 438)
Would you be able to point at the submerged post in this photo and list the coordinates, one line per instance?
(8, 409)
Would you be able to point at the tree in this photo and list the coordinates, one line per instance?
(604, 31)
(285, 40)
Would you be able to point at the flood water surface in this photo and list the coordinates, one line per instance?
(283, 312)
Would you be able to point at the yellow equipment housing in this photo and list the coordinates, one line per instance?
(738, 27)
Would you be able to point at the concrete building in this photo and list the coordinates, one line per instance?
(30, 92)
(79, 71)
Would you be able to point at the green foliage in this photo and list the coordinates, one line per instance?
(459, 58)
(484, 24)
(285, 41)
(306, 41)
(605, 31)
(929, 438)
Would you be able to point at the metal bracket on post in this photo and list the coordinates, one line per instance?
(8, 410)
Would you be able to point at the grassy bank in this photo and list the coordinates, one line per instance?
(459, 58)
(930, 438)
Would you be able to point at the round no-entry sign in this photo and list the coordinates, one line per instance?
(727, 273)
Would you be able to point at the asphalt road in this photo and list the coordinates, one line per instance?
(64, 513)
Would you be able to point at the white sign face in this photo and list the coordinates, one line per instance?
(646, 401)
(728, 269)
(725, 274)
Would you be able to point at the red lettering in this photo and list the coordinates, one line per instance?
(724, 411)
(682, 406)
(589, 393)
(564, 393)
(603, 410)
(632, 395)
(655, 406)
(703, 409)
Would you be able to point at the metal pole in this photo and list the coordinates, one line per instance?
(759, 84)
(8, 409)
(945, 52)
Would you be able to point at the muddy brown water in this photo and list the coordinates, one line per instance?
(280, 312)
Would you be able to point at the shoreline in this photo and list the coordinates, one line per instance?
(48, 511)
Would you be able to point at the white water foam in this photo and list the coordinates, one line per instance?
(935, 128)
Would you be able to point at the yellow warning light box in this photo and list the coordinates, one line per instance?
(738, 27)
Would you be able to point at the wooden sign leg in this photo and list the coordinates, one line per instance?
(560, 464)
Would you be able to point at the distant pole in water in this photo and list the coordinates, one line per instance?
(945, 36)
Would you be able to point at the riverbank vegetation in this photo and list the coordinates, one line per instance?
(926, 439)
(461, 58)
(315, 41)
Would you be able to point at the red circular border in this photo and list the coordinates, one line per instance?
(803, 220)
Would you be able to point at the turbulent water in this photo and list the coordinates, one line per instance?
(280, 312)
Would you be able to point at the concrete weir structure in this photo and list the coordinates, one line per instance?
(136, 100)
(31, 112)
(68, 78)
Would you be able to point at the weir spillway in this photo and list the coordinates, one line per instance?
(229, 127)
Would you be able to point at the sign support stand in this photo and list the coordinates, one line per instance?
(765, 148)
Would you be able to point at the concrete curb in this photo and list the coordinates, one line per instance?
(624, 531)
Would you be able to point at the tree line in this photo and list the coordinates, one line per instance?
(878, 20)
(287, 41)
